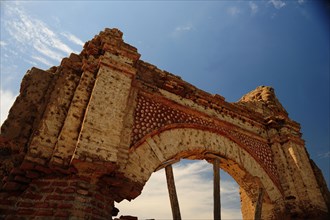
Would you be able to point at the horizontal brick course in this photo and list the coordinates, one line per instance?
(58, 197)
(55, 197)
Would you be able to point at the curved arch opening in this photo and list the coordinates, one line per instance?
(169, 146)
(194, 185)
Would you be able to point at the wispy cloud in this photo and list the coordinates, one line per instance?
(324, 155)
(47, 51)
(254, 7)
(74, 39)
(28, 31)
(6, 101)
(195, 193)
(233, 10)
(184, 28)
(41, 60)
(301, 1)
(277, 3)
(2, 43)
(181, 29)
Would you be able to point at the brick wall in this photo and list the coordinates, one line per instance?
(58, 197)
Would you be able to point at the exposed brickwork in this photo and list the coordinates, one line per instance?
(152, 116)
(58, 197)
(92, 131)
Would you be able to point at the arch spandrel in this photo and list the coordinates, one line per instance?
(153, 115)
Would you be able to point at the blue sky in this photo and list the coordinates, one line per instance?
(223, 47)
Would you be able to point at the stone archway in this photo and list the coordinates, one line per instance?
(191, 143)
(91, 131)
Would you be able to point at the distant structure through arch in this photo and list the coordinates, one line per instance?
(92, 130)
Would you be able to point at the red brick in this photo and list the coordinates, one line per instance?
(32, 196)
(25, 211)
(78, 214)
(22, 179)
(41, 205)
(26, 165)
(65, 206)
(48, 212)
(82, 199)
(94, 203)
(32, 174)
(60, 183)
(23, 187)
(74, 183)
(16, 171)
(43, 169)
(7, 202)
(5, 179)
(11, 186)
(83, 185)
(70, 198)
(25, 204)
(69, 190)
(97, 212)
(58, 191)
(55, 197)
(53, 205)
(10, 194)
(83, 178)
(61, 213)
(41, 183)
(88, 209)
(82, 192)
(99, 197)
(47, 190)
(101, 206)
(7, 211)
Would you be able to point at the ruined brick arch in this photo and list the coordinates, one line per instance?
(77, 133)
(192, 143)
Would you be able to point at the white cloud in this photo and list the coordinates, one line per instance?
(184, 28)
(47, 51)
(277, 3)
(7, 99)
(29, 31)
(324, 155)
(233, 10)
(2, 43)
(194, 185)
(42, 60)
(301, 1)
(179, 30)
(73, 39)
(254, 7)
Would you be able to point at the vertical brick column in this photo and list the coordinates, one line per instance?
(58, 197)
(303, 197)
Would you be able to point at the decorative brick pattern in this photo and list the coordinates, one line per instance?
(152, 116)
(92, 130)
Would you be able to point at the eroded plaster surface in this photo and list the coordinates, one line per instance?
(92, 131)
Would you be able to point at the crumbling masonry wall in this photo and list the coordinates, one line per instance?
(92, 130)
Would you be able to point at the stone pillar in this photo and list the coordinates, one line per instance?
(216, 190)
(172, 193)
(303, 197)
(105, 132)
(247, 205)
(69, 163)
